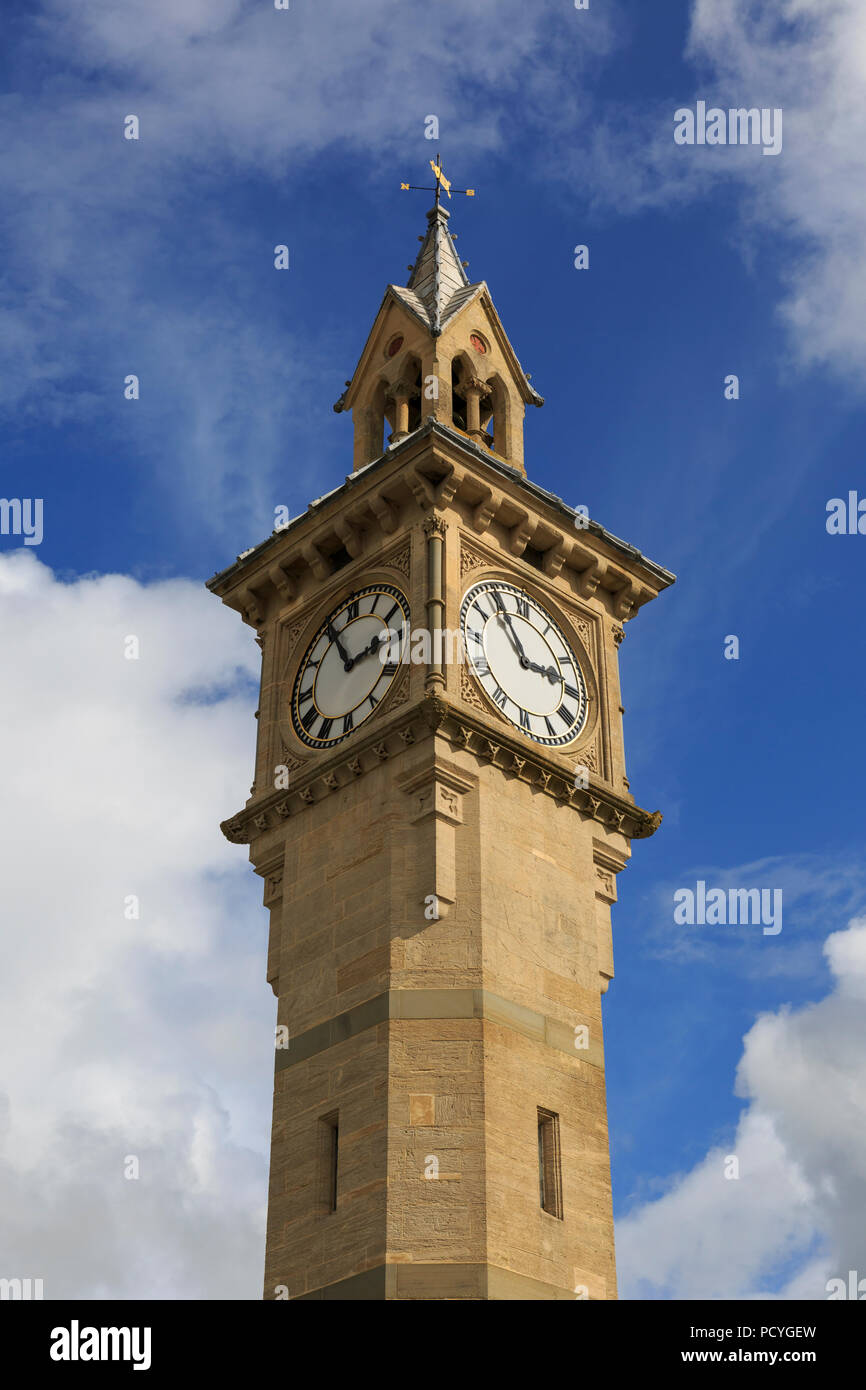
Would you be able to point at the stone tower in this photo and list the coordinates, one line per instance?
(439, 812)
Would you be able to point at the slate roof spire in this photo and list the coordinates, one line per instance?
(438, 285)
(437, 275)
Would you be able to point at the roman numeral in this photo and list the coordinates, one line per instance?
(390, 668)
(373, 701)
(522, 608)
(500, 698)
(567, 717)
(476, 636)
(524, 719)
(309, 719)
(497, 600)
(484, 615)
(389, 616)
(549, 726)
(325, 729)
(348, 722)
(570, 690)
(305, 695)
(352, 610)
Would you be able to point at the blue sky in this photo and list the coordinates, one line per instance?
(155, 257)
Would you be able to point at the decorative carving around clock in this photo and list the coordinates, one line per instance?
(350, 665)
(470, 558)
(400, 692)
(469, 692)
(523, 662)
(398, 560)
(589, 756)
(292, 635)
(289, 760)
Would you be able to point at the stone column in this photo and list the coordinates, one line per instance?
(434, 529)
(472, 391)
(400, 393)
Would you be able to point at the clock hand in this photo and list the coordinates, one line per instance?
(549, 671)
(524, 659)
(375, 643)
(368, 651)
(347, 661)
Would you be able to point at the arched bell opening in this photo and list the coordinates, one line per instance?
(458, 404)
(461, 373)
(498, 422)
(487, 422)
(370, 426)
(413, 376)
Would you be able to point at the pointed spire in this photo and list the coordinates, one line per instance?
(437, 274)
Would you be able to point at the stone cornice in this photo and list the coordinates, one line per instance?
(434, 715)
(429, 468)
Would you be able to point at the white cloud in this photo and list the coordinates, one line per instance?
(118, 1037)
(796, 1216)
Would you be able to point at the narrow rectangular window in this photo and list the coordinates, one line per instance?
(549, 1165)
(330, 1150)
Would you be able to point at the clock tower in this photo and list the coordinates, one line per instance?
(439, 813)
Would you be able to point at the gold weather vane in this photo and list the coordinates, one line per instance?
(441, 182)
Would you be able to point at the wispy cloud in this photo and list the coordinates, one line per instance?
(113, 247)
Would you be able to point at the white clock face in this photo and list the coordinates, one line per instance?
(350, 664)
(523, 662)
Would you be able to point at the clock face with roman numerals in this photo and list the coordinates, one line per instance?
(350, 664)
(523, 662)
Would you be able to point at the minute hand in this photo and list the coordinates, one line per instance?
(346, 660)
(524, 659)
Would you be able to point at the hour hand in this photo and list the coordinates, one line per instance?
(375, 643)
(549, 671)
